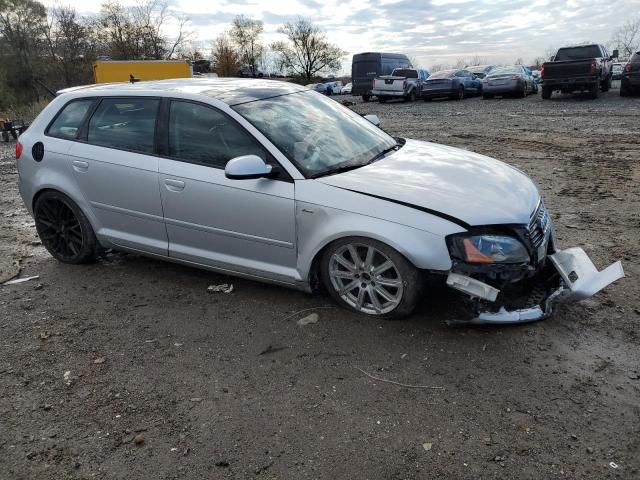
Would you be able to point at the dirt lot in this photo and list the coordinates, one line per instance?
(230, 386)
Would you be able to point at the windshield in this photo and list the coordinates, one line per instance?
(576, 53)
(316, 133)
(442, 74)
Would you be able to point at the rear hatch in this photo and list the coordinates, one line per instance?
(363, 72)
(437, 84)
(503, 79)
(389, 83)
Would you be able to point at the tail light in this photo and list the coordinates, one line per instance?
(542, 72)
(18, 150)
(627, 68)
(593, 66)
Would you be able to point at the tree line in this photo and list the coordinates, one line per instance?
(43, 50)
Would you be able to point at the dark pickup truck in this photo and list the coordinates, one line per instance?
(580, 68)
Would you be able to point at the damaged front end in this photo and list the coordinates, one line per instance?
(514, 273)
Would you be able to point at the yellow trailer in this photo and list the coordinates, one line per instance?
(108, 71)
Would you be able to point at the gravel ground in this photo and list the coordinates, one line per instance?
(168, 381)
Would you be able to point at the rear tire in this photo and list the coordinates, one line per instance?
(63, 229)
(459, 95)
(606, 85)
(366, 98)
(359, 285)
(382, 99)
(487, 96)
(411, 97)
(546, 93)
(595, 91)
(624, 92)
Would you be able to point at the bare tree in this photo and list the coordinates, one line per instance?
(477, 60)
(307, 51)
(225, 57)
(245, 33)
(22, 24)
(627, 37)
(139, 32)
(70, 46)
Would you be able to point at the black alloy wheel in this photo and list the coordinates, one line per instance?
(63, 229)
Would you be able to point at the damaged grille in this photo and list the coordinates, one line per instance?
(539, 225)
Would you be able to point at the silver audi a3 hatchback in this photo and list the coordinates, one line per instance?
(274, 182)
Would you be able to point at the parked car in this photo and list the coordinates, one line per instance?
(274, 182)
(480, 71)
(455, 84)
(249, 71)
(630, 82)
(405, 83)
(536, 76)
(512, 80)
(580, 68)
(333, 87)
(616, 71)
(367, 66)
(346, 90)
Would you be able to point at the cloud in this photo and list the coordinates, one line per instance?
(431, 31)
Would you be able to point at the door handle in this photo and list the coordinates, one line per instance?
(174, 185)
(80, 166)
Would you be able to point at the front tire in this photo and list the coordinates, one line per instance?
(369, 277)
(459, 95)
(366, 98)
(63, 229)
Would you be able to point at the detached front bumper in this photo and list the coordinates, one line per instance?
(577, 279)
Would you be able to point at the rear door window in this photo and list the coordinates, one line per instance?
(70, 119)
(202, 134)
(125, 124)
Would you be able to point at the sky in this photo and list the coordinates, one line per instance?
(431, 32)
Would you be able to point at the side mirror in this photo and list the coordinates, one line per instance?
(373, 119)
(247, 167)
(615, 53)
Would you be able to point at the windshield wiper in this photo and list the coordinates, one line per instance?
(353, 166)
(397, 146)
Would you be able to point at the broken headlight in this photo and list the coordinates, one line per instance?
(489, 249)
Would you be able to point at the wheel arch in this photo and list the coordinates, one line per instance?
(422, 249)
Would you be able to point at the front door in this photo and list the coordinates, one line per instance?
(118, 175)
(245, 226)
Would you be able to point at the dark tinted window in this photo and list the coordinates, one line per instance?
(127, 124)
(576, 53)
(202, 134)
(405, 72)
(462, 73)
(69, 120)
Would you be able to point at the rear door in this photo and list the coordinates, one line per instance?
(114, 166)
(245, 226)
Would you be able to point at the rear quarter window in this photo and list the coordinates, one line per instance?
(69, 119)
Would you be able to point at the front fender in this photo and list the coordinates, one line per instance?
(318, 226)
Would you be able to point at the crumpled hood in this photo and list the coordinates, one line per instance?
(473, 188)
